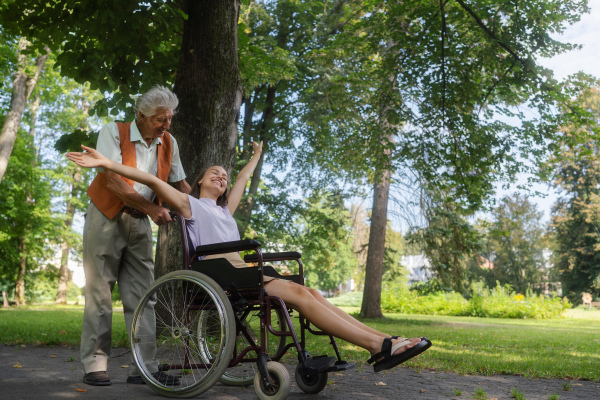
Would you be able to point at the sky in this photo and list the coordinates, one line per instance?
(584, 32)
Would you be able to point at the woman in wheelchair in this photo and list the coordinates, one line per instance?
(208, 213)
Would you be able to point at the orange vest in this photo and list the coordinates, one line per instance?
(107, 201)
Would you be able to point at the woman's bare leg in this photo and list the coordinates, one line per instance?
(345, 315)
(323, 317)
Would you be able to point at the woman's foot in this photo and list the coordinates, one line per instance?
(395, 341)
(396, 350)
(411, 343)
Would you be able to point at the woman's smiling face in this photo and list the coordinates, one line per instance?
(215, 178)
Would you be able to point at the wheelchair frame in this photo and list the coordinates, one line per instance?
(246, 296)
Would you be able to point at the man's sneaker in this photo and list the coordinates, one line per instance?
(99, 378)
(160, 376)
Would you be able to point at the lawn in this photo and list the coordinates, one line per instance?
(51, 325)
(560, 348)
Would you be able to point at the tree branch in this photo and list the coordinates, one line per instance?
(494, 86)
(443, 33)
(489, 32)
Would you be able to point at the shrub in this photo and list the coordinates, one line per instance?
(495, 303)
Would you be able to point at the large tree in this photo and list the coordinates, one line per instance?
(462, 73)
(26, 74)
(516, 240)
(575, 222)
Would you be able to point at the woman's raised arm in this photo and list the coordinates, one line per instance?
(235, 195)
(94, 159)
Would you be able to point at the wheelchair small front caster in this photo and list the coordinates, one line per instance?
(310, 384)
(281, 383)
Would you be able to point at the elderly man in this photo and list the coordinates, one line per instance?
(117, 237)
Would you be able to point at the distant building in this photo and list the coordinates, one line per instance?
(419, 269)
(346, 287)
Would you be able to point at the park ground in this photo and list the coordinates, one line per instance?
(472, 358)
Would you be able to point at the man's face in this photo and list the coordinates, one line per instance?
(156, 125)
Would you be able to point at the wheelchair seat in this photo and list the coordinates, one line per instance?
(230, 277)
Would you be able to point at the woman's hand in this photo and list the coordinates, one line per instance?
(257, 147)
(91, 159)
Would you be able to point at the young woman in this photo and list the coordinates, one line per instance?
(208, 212)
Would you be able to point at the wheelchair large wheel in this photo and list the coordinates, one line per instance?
(311, 384)
(242, 374)
(281, 383)
(164, 333)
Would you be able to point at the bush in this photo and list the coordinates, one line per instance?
(495, 303)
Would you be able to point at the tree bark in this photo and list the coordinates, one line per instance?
(20, 284)
(371, 304)
(22, 87)
(209, 88)
(245, 212)
(63, 279)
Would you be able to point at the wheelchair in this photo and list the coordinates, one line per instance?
(216, 323)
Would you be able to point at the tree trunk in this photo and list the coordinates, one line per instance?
(245, 211)
(63, 279)
(209, 88)
(22, 87)
(34, 107)
(371, 304)
(20, 284)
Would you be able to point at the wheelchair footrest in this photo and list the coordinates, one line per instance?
(318, 364)
(341, 366)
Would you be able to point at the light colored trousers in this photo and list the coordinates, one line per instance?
(115, 250)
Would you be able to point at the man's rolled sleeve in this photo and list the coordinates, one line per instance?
(177, 174)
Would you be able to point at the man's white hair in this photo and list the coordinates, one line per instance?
(158, 96)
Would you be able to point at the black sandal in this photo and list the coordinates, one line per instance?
(390, 360)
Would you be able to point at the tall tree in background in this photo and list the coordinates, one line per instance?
(517, 241)
(65, 106)
(325, 241)
(448, 240)
(576, 215)
(28, 227)
(25, 77)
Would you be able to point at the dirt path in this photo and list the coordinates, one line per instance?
(55, 373)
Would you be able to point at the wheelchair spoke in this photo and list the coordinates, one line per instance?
(166, 331)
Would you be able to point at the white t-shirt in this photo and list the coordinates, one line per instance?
(210, 223)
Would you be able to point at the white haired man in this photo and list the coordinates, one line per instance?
(117, 237)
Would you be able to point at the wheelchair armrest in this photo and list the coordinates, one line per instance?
(283, 256)
(227, 247)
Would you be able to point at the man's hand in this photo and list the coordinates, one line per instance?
(160, 215)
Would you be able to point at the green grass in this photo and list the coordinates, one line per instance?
(480, 394)
(515, 394)
(51, 325)
(558, 348)
(350, 299)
